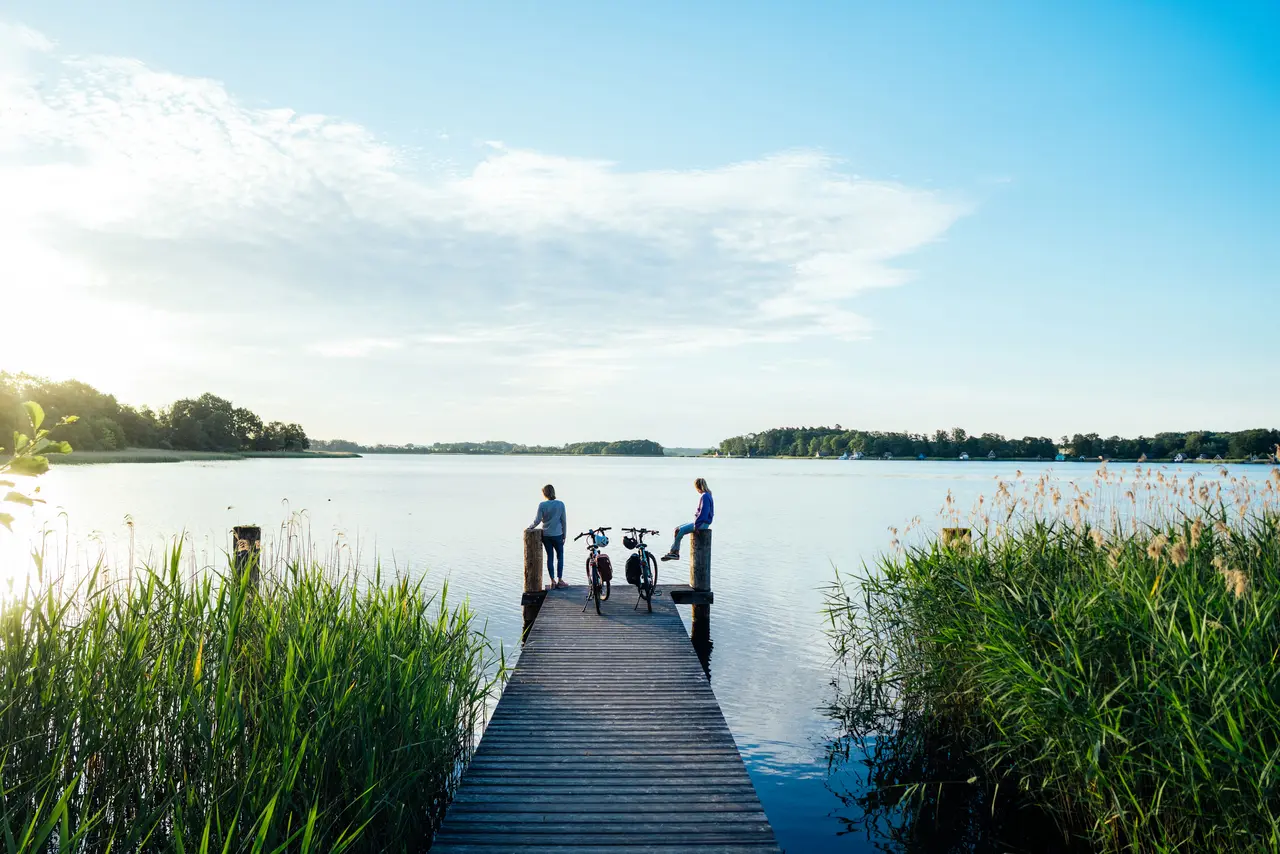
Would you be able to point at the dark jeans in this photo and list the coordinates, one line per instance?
(555, 548)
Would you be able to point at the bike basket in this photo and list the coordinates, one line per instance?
(605, 566)
(630, 542)
(634, 569)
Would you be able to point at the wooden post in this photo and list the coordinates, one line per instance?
(533, 590)
(700, 580)
(248, 551)
(533, 561)
(700, 559)
(957, 538)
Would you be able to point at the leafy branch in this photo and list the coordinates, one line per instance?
(29, 459)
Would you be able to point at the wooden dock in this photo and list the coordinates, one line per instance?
(607, 737)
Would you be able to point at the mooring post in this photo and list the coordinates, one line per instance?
(958, 538)
(533, 561)
(700, 580)
(700, 560)
(248, 551)
(533, 590)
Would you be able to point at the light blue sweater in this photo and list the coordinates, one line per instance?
(552, 518)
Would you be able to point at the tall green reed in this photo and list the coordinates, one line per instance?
(178, 712)
(1124, 673)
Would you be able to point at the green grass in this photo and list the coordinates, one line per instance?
(1124, 678)
(153, 455)
(313, 713)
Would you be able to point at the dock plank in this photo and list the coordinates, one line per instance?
(607, 736)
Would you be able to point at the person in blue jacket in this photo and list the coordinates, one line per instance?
(701, 519)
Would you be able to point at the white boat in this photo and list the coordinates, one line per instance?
(857, 455)
(964, 456)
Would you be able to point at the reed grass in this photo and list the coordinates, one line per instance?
(314, 712)
(1122, 671)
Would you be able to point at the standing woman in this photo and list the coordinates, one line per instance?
(552, 519)
(701, 518)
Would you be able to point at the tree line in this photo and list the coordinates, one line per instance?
(623, 448)
(205, 423)
(836, 441)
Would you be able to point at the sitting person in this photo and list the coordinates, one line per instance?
(701, 519)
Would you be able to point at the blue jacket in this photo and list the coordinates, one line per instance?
(706, 511)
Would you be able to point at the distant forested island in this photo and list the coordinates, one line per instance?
(623, 448)
(207, 423)
(950, 444)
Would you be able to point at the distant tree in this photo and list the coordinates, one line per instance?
(246, 427)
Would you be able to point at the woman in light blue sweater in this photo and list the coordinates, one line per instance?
(554, 526)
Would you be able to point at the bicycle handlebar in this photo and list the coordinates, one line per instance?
(640, 530)
(593, 532)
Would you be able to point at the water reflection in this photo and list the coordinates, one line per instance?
(700, 634)
(919, 789)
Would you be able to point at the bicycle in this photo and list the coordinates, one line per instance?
(599, 568)
(642, 567)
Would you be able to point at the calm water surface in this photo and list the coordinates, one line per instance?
(781, 527)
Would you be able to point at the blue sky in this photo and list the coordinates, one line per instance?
(1001, 216)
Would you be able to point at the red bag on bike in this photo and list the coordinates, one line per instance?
(605, 566)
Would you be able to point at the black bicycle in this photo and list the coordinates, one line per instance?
(599, 568)
(642, 566)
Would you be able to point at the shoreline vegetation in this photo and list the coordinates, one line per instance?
(619, 448)
(1103, 659)
(1197, 445)
(156, 455)
(207, 423)
(309, 711)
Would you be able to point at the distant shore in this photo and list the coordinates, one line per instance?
(1094, 460)
(156, 455)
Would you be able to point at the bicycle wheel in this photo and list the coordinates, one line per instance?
(653, 579)
(593, 579)
(646, 574)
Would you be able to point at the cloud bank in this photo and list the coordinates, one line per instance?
(201, 236)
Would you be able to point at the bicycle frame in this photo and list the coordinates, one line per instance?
(594, 581)
(648, 575)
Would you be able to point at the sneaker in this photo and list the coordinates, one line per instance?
(671, 556)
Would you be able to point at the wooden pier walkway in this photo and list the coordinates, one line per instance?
(607, 737)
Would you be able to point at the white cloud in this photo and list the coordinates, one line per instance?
(129, 186)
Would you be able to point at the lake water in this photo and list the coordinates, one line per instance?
(781, 528)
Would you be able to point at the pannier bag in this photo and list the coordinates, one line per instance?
(634, 566)
(606, 567)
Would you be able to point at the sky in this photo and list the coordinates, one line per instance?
(561, 221)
